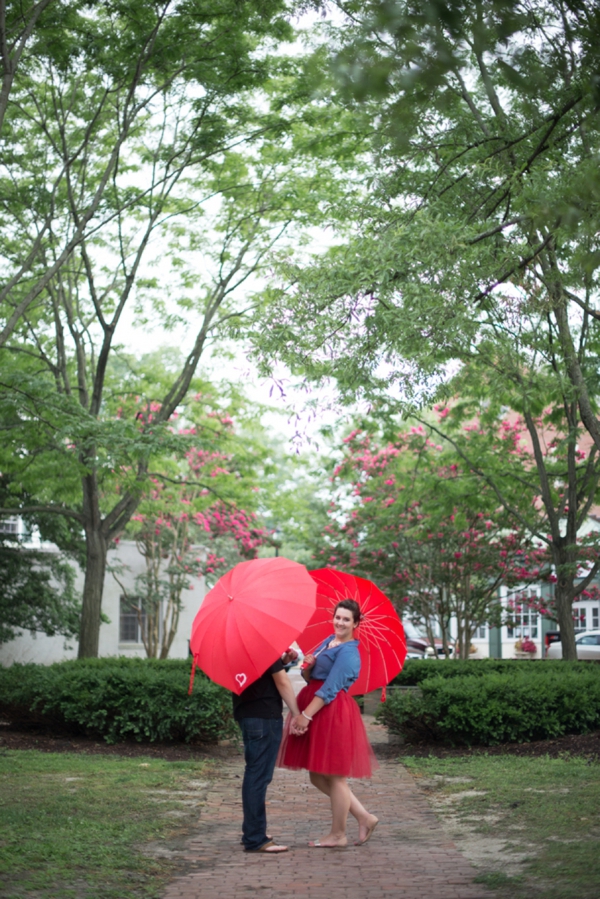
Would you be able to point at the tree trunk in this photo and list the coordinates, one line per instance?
(429, 632)
(89, 634)
(564, 616)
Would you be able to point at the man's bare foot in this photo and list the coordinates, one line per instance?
(365, 830)
(329, 842)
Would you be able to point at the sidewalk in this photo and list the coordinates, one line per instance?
(408, 857)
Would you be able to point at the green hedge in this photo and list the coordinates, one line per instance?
(415, 671)
(518, 705)
(117, 699)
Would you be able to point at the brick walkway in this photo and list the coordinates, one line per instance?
(408, 857)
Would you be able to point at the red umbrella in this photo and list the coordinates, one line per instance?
(382, 643)
(249, 618)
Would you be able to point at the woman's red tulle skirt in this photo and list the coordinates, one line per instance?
(335, 743)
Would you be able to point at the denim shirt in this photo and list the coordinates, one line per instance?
(339, 667)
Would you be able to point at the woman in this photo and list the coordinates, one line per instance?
(328, 737)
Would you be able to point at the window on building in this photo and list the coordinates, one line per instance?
(524, 620)
(595, 618)
(579, 618)
(481, 632)
(131, 624)
(9, 526)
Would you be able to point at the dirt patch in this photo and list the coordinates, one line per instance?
(485, 851)
(582, 745)
(175, 752)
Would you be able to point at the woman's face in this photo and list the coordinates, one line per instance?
(343, 624)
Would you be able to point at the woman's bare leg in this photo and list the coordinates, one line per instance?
(321, 782)
(340, 796)
(366, 821)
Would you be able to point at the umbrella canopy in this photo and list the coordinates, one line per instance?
(382, 643)
(249, 618)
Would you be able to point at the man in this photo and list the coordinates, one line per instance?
(259, 710)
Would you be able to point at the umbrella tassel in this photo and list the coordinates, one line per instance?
(192, 673)
(383, 694)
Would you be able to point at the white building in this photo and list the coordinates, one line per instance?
(120, 636)
(500, 642)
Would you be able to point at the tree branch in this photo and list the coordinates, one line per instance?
(51, 508)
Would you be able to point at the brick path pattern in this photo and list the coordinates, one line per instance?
(408, 857)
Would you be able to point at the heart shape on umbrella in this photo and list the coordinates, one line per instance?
(249, 618)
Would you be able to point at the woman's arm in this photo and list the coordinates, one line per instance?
(301, 721)
(343, 673)
(307, 666)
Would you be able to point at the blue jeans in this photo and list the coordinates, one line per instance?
(262, 737)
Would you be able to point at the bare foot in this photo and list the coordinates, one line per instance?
(365, 830)
(329, 842)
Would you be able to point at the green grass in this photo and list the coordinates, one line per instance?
(73, 826)
(548, 810)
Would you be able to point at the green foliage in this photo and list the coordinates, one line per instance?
(144, 181)
(36, 592)
(197, 519)
(469, 264)
(37, 586)
(495, 880)
(476, 182)
(523, 704)
(415, 671)
(118, 699)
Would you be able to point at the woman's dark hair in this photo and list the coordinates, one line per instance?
(351, 606)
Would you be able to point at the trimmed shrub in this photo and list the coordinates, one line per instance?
(117, 699)
(415, 671)
(535, 703)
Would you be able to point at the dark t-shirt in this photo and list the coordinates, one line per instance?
(261, 699)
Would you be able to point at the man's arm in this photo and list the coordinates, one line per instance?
(286, 691)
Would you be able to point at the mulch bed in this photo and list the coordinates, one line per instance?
(61, 742)
(581, 745)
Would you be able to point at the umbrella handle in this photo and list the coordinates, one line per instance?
(315, 654)
(192, 673)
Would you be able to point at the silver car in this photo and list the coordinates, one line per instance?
(588, 647)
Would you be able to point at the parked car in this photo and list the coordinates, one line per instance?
(417, 643)
(587, 643)
(419, 647)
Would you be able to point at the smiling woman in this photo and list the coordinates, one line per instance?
(328, 737)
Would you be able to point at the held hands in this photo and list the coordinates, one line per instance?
(299, 725)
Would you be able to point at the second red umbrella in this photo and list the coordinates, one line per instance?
(249, 618)
(382, 644)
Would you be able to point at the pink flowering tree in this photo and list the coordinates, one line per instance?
(544, 470)
(191, 525)
(410, 515)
